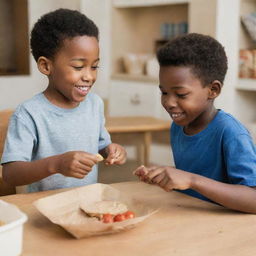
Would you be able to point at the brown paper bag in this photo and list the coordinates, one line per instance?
(64, 209)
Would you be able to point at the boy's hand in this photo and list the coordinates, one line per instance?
(76, 164)
(166, 177)
(116, 154)
(142, 172)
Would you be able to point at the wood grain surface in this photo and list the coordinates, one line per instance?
(183, 226)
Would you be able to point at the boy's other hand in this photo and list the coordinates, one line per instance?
(141, 172)
(76, 164)
(167, 177)
(116, 154)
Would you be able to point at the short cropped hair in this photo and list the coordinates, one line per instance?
(53, 28)
(203, 54)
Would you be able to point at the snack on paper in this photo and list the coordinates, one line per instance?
(97, 209)
(64, 209)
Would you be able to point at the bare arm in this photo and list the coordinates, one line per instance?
(236, 197)
(23, 173)
(75, 164)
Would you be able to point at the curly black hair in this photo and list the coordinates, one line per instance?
(203, 54)
(53, 28)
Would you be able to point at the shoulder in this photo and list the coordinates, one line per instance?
(29, 107)
(33, 102)
(233, 133)
(229, 124)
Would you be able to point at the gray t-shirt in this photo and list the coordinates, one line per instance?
(39, 129)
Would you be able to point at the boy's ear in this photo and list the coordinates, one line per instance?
(44, 65)
(214, 89)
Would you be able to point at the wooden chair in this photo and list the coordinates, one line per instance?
(5, 189)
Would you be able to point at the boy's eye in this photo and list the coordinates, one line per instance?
(78, 68)
(95, 67)
(182, 95)
(162, 92)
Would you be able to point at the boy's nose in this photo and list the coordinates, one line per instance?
(87, 75)
(170, 102)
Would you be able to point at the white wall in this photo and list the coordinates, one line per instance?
(15, 89)
(227, 32)
(100, 12)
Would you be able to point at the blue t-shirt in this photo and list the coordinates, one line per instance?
(39, 129)
(223, 151)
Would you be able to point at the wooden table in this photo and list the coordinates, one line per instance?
(138, 125)
(184, 226)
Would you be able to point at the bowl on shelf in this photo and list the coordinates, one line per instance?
(134, 64)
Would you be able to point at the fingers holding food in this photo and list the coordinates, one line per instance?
(99, 157)
(140, 171)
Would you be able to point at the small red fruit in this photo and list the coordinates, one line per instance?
(129, 215)
(119, 217)
(107, 218)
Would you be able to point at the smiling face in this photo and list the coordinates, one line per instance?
(188, 102)
(72, 72)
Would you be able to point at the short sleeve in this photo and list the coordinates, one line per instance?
(240, 155)
(20, 141)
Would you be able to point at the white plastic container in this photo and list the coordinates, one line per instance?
(11, 233)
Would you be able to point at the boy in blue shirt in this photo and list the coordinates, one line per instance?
(214, 155)
(53, 138)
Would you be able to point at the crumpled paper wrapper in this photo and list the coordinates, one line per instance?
(64, 209)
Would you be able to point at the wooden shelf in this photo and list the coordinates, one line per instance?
(246, 85)
(137, 78)
(130, 28)
(146, 3)
(14, 38)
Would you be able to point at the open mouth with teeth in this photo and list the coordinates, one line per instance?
(177, 116)
(83, 90)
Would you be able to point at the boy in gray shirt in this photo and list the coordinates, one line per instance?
(53, 138)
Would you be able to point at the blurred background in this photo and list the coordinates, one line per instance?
(130, 33)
